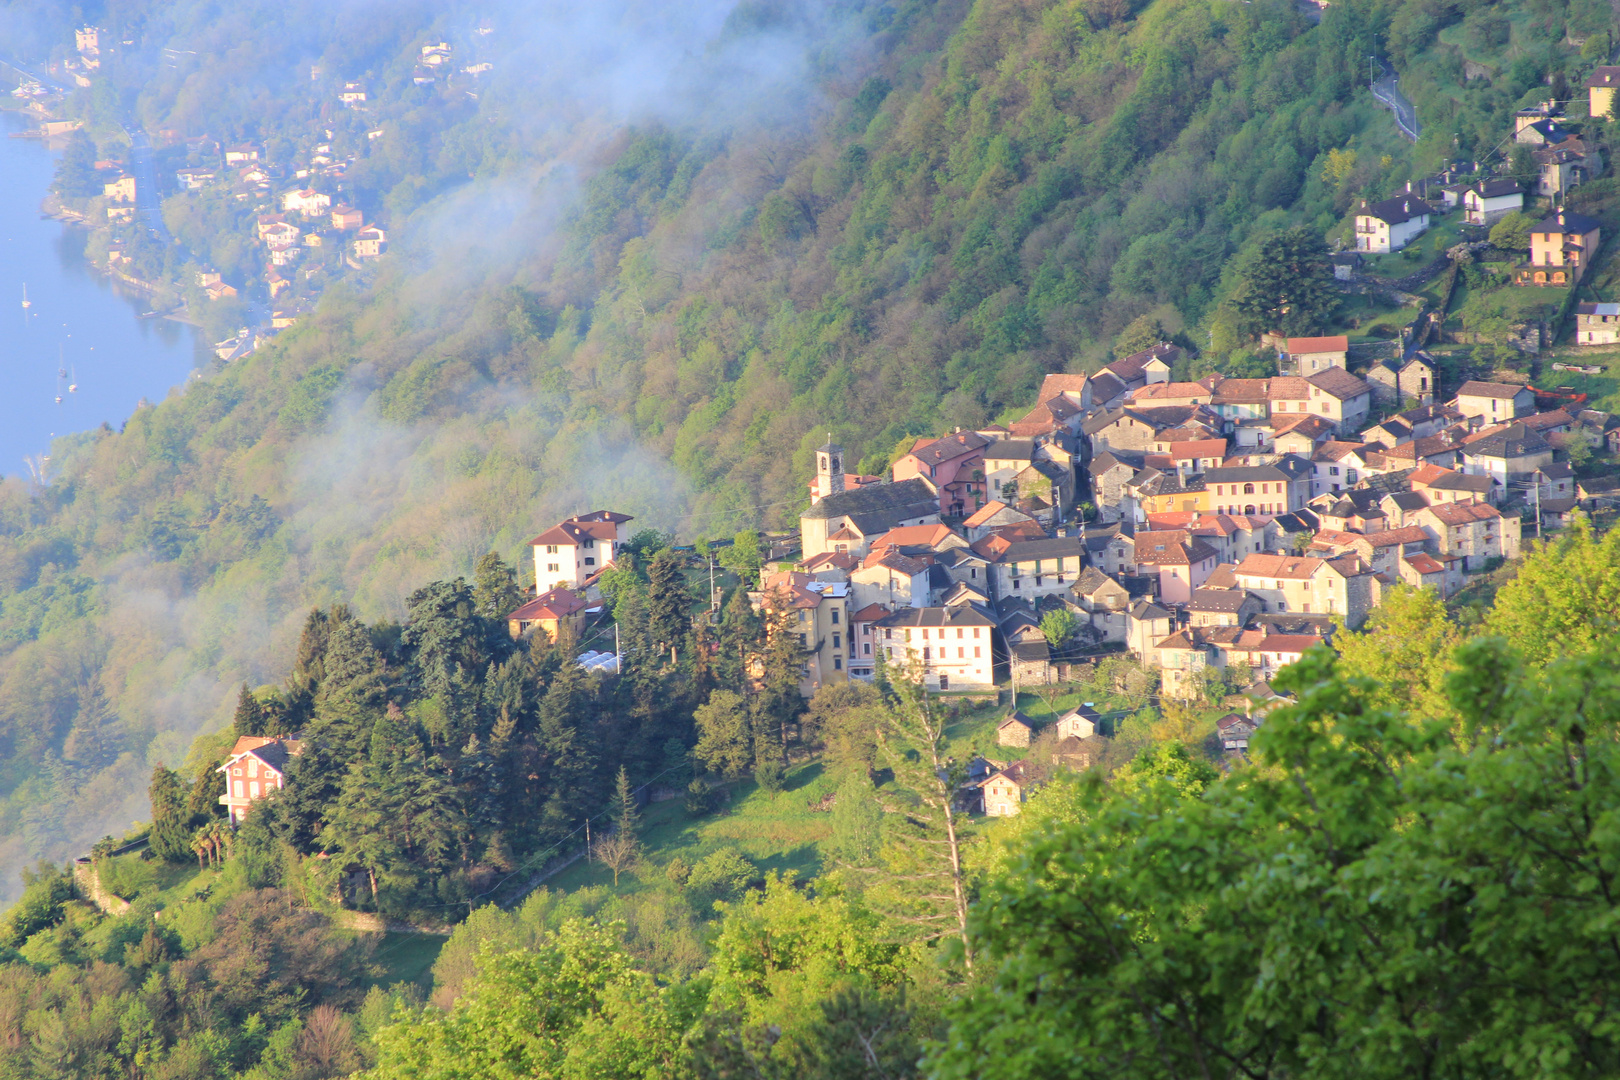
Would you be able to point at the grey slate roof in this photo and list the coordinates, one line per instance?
(877, 503)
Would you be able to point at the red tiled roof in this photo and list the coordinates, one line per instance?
(558, 603)
(1337, 343)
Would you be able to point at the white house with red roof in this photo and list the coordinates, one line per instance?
(572, 553)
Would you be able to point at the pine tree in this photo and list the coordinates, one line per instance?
(669, 603)
(740, 637)
(1289, 285)
(353, 690)
(569, 759)
(171, 821)
(779, 702)
(626, 813)
(495, 591)
(251, 717)
(309, 664)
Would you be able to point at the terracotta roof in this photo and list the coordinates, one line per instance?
(1288, 388)
(1173, 548)
(869, 613)
(1335, 344)
(558, 603)
(1195, 393)
(948, 448)
(1424, 563)
(1054, 385)
(1460, 513)
(571, 533)
(1199, 448)
(986, 512)
(1336, 450)
(1295, 567)
(914, 536)
(1307, 424)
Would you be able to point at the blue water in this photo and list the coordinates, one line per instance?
(115, 358)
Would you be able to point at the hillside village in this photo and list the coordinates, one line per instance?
(1210, 531)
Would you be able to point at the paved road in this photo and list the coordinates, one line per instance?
(147, 203)
(1386, 89)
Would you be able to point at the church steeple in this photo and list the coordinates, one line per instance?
(830, 468)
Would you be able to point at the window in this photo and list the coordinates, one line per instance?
(944, 682)
(960, 652)
(551, 568)
(959, 633)
(551, 549)
(835, 616)
(589, 544)
(1333, 470)
(975, 652)
(838, 663)
(253, 790)
(237, 788)
(1248, 489)
(589, 561)
(1038, 581)
(803, 642)
(253, 766)
(926, 653)
(867, 649)
(1017, 584)
(837, 641)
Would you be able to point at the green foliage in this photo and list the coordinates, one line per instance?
(1512, 232)
(725, 743)
(1287, 286)
(171, 817)
(45, 890)
(1058, 626)
(723, 874)
(1315, 876)
(311, 397)
(76, 173)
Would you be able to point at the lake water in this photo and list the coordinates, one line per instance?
(114, 358)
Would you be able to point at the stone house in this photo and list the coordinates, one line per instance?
(1495, 402)
(1304, 356)
(1393, 381)
(1597, 324)
(1474, 532)
(1276, 488)
(1030, 569)
(1015, 730)
(819, 615)
(1288, 583)
(1509, 454)
(1007, 790)
(864, 513)
(954, 465)
(1104, 602)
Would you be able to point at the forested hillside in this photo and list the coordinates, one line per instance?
(1412, 875)
(662, 300)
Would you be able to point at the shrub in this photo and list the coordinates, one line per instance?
(722, 874)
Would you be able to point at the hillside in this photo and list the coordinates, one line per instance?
(662, 309)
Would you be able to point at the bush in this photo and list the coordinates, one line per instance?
(699, 799)
(46, 890)
(721, 874)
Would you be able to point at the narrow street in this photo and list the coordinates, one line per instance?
(1387, 90)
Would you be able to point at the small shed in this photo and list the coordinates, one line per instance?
(1079, 722)
(1015, 730)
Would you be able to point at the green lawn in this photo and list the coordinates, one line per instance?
(406, 958)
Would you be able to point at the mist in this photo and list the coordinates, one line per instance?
(371, 508)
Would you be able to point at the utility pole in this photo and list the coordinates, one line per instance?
(587, 839)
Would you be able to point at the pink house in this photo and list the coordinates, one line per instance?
(954, 465)
(1182, 561)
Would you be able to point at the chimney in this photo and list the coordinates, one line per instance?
(1409, 187)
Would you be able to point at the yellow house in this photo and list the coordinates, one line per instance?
(1600, 88)
(549, 612)
(1560, 248)
(121, 190)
